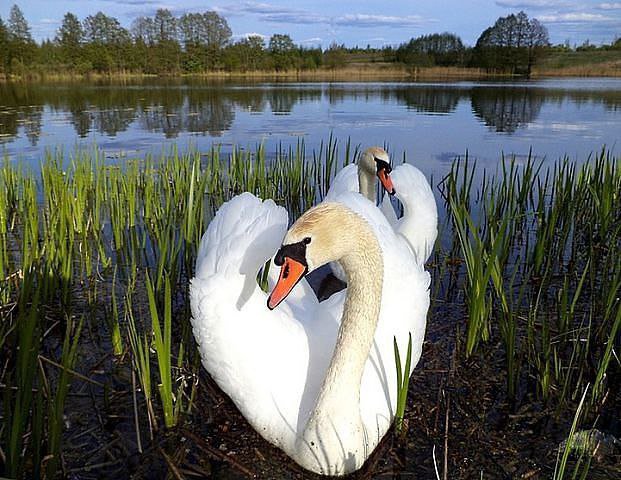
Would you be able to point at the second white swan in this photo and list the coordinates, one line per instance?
(419, 223)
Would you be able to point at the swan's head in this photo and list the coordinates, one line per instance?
(324, 233)
(375, 161)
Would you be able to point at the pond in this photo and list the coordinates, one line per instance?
(432, 122)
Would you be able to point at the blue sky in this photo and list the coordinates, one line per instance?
(362, 22)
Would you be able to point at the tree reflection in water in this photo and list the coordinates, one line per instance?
(506, 109)
(199, 107)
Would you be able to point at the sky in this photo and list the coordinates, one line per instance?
(352, 22)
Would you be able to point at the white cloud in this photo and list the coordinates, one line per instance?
(609, 6)
(364, 20)
(533, 4)
(276, 14)
(578, 17)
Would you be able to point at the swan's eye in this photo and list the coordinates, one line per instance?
(307, 240)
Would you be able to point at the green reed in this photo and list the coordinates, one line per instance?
(162, 342)
(56, 421)
(18, 404)
(540, 250)
(403, 382)
(566, 450)
(140, 347)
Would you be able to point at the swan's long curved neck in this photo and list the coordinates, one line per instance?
(367, 184)
(340, 392)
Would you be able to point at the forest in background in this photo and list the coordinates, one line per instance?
(197, 43)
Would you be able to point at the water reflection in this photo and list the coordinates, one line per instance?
(432, 99)
(506, 110)
(200, 108)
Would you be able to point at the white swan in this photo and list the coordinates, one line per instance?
(325, 395)
(419, 223)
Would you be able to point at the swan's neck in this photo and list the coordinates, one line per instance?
(366, 184)
(339, 396)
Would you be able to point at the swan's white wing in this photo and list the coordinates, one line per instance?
(344, 181)
(388, 210)
(242, 236)
(419, 224)
(258, 357)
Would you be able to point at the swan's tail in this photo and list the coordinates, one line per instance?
(243, 235)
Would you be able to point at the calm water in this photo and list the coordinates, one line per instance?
(432, 122)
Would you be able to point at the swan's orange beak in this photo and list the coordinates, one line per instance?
(386, 181)
(291, 272)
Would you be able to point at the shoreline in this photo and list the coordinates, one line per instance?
(381, 72)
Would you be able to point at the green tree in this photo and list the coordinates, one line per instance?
(335, 56)
(193, 36)
(48, 55)
(248, 54)
(143, 34)
(165, 26)
(204, 36)
(512, 44)
(218, 30)
(21, 45)
(283, 51)
(108, 44)
(167, 50)
(143, 29)
(4, 47)
(70, 37)
(436, 49)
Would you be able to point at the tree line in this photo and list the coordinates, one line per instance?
(202, 42)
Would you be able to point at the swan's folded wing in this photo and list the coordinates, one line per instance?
(389, 211)
(243, 235)
(411, 180)
(257, 356)
(345, 181)
(420, 224)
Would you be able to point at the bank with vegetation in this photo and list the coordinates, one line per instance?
(519, 378)
(201, 43)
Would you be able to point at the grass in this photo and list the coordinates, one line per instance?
(100, 252)
(595, 63)
(352, 71)
(403, 382)
(562, 459)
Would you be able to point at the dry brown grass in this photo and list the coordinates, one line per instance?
(608, 69)
(352, 72)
